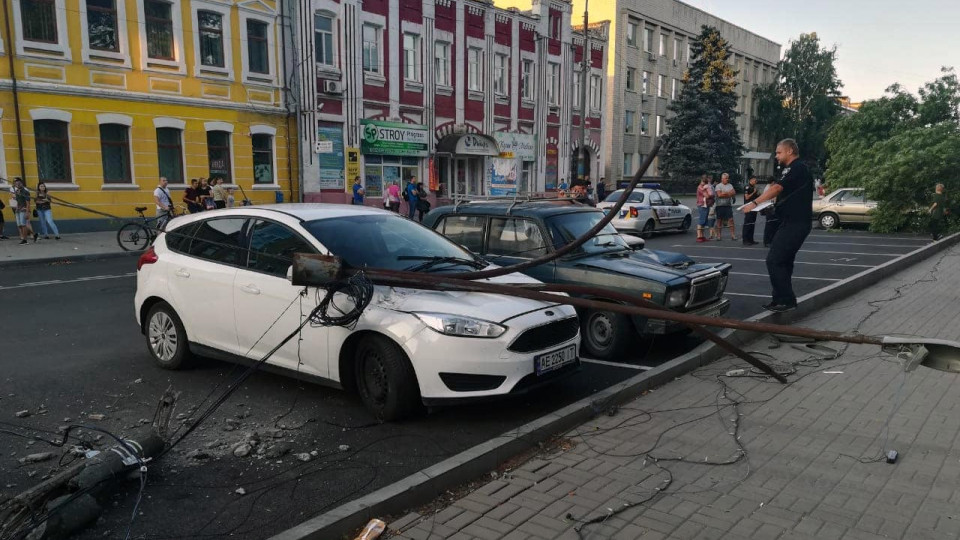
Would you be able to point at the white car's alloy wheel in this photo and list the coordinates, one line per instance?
(162, 334)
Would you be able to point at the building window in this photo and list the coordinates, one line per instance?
(648, 39)
(526, 82)
(53, 151)
(663, 44)
(323, 39)
(170, 154)
(218, 152)
(371, 48)
(646, 81)
(756, 73)
(688, 50)
(527, 171)
(500, 66)
(595, 97)
(553, 84)
(474, 69)
(659, 125)
(661, 86)
(39, 20)
(632, 34)
(628, 165)
(411, 57)
(257, 47)
(631, 75)
(102, 25)
(554, 23)
(673, 88)
(676, 49)
(159, 24)
(644, 123)
(211, 38)
(577, 88)
(629, 119)
(115, 153)
(441, 62)
(262, 159)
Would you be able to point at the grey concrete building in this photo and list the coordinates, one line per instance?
(649, 54)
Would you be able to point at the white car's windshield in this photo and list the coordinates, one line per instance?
(566, 228)
(391, 242)
(636, 196)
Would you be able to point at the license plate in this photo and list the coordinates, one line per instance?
(554, 360)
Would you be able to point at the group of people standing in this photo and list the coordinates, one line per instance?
(715, 209)
(413, 193)
(24, 206)
(203, 195)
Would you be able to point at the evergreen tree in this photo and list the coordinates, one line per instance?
(703, 136)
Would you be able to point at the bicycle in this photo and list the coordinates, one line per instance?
(137, 235)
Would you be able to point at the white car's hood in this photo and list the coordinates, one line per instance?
(490, 307)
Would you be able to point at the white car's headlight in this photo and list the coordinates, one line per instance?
(677, 298)
(458, 325)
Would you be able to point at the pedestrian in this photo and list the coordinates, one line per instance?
(562, 186)
(206, 199)
(712, 223)
(703, 207)
(163, 202)
(45, 213)
(411, 194)
(393, 196)
(231, 200)
(938, 212)
(423, 204)
(794, 209)
(358, 192)
(191, 196)
(726, 193)
(21, 208)
(819, 187)
(2, 224)
(750, 218)
(602, 189)
(219, 193)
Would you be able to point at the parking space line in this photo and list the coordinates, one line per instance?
(794, 277)
(838, 236)
(801, 251)
(746, 294)
(615, 364)
(853, 244)
(796, 262)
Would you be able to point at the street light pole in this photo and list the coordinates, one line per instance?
(582, 162)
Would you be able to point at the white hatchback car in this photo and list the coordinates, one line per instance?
(217, 284)
(649, 209)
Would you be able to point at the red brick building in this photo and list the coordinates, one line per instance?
(470, 98)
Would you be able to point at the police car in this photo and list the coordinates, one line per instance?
(649, 209)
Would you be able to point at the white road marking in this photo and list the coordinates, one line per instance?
(794, 277)
(835, 235)
(687, 246)
(796, 262)
(64, 281)
(854, 244)
(615, 364)
(746, 294)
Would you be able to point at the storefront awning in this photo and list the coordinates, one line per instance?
(755, 155)
(468, 144)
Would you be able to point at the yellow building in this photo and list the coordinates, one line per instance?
(113, 94)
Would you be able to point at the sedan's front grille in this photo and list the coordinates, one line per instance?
(706, 290)
(547, 335)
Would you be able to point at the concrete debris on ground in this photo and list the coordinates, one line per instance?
(97, 417)
(344, 447)
(304, 456)
(22, 414)
(36, 458)
(240, 491)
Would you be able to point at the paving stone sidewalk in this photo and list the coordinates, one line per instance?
(812, 460)
(69, 246)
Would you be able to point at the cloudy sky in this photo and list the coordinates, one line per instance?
(879, 42)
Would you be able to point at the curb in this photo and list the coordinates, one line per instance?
(423, 486)
(68, 259)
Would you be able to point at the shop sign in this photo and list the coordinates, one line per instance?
(353, 163)
(522, 146)
(475, 145)
(394, 139)
(330, 163)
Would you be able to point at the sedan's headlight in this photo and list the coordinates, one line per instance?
(677, 297)
(458, 325)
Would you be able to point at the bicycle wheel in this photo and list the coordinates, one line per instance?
(133, 237)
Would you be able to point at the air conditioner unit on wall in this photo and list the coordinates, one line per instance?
(332, 87)
(651, 57)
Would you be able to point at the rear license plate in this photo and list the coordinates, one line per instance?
(554, 360)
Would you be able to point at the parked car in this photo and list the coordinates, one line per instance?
(843, 206)
(506, 233)
(218, 284)
(649, 209)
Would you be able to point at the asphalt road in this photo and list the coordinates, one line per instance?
(72, 346)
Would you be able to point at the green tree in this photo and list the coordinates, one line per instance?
(702, 134)
(897, 148)
(803, 101)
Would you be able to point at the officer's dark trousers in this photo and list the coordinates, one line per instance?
(936, 227)
(749, 224)
(770, 226)
(787, 242)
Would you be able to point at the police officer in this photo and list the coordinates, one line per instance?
(794, 209)
(750, 220)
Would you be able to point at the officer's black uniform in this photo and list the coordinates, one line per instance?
(794, 210)
(750, 219)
